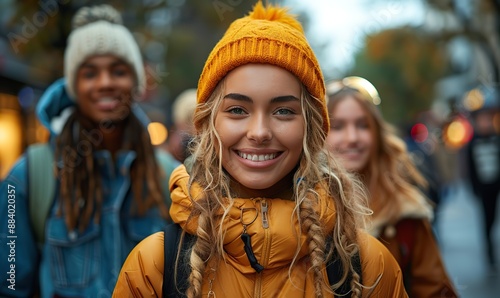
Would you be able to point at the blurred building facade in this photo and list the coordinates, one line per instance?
(20, 87)
(470, 31)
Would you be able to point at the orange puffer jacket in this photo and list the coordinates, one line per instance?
(274, 248)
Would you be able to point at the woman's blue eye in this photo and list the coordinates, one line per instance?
(284, 112)
(238, 111)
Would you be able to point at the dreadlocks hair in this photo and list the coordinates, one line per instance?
(319, 177)
(81, 189)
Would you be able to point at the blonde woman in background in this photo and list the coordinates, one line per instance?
(368, 146)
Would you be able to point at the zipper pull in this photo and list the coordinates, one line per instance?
(264, 214)
(247, 242)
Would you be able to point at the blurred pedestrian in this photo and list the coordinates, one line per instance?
(108, 181)
(368, 146)
(483, 159)
(181, 132)
(267, 206)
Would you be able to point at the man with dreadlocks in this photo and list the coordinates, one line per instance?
(108, 180)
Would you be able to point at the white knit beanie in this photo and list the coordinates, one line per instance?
(98, 30)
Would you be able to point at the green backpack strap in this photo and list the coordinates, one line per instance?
(168, 163)
(41, 183)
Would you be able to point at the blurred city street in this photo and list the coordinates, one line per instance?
(429, 68)
(459, 230)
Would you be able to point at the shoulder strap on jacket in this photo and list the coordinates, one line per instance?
(406, 238)
(334, 270)
(41, 182)
(175, 286)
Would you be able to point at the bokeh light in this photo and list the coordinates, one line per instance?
(457, 133)
(474, 100)
(419, 132)
(10, 140)
(158, 133)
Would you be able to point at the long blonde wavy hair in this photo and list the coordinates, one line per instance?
(390, 173)
(316, 168)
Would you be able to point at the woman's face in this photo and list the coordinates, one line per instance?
(261, 128)
(350, 136)
(104, 89)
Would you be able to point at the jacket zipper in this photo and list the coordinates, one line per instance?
(264, 208)
(264, 214)
(257, 293)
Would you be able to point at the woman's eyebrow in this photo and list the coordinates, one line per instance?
(237, 96)
(284, 98)
(278, 99)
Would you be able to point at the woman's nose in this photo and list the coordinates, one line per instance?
(351, 134)
(259, 129)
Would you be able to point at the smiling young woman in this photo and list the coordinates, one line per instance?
(260, 103)
(267, 203)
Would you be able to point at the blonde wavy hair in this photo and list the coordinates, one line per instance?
(316, 168)
(390, 173)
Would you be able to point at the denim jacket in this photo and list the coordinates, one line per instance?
(84, 264)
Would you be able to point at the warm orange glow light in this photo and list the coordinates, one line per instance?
(474, 100)
(457, 133)
(158, 133)
(10, 140)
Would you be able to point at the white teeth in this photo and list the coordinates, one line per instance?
(255, 157)
(106, 99)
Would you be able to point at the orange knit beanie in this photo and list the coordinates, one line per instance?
(268, 35)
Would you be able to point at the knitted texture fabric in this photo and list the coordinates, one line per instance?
(268, 35)
(99, 34)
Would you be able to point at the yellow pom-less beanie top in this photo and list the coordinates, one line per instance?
(268, 35)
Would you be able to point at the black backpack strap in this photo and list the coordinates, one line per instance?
(334, 271)
(172, 237)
